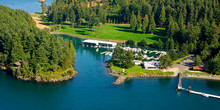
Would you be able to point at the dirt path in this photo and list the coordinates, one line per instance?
(39, 23)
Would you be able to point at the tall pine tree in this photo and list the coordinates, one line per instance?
(145, 24)
(152, 25)
(133, 22)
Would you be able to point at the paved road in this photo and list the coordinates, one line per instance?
(184, 65)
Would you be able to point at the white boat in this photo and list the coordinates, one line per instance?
(97, 49)
(102, 53)
(106, 53)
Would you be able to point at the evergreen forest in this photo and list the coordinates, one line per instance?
(192, 26)
(32, 51)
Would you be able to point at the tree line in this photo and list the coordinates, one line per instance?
(37, 50)
(77, 12)
(192, 26)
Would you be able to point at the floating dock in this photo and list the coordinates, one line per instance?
(199, 93)
(179, 87)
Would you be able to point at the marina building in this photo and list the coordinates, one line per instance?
(97, 43)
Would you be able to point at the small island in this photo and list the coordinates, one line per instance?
(31, 54)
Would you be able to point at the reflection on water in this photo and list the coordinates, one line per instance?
(213, 84)
(128, 83)
(164, 81)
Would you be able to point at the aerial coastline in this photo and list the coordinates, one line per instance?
(210, 77)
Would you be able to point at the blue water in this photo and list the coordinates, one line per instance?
(31, 6)
(92, 89)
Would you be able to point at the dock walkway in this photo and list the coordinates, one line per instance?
(199, 93)
(179, 87)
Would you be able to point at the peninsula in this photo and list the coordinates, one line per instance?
(29, 53)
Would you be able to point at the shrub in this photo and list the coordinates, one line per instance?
(142, 43)
(130, 42)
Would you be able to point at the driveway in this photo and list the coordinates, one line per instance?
(184, 65)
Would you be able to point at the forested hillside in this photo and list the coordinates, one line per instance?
(192, 26)
(32, 51)
(193, 22)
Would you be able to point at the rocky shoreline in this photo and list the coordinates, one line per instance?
(197, 76)
(39, 79)
(121, 78)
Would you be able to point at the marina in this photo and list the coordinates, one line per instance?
(83, 37)
(97, 84)
(111, 45)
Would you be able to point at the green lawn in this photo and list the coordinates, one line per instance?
(198, 73)
(114, 32)
(179, 59)
(138, 70)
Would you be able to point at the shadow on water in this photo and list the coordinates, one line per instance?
(164, 81)
(213, 84)
(128, 83)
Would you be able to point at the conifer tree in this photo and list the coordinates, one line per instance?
(160, 44)
(145, 24)
(197, 61)
(214, 33)
(72, 17)
(171, 44)
(133, 22)
(162, 17)
(152, 25)
(55, 15)
(139, 21)
(170, 28)
(128, 60)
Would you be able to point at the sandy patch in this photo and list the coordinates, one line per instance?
(39, 23)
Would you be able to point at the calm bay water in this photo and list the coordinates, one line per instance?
(92, 88)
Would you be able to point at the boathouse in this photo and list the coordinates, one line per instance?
(97, 43)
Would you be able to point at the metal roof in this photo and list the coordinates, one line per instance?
(97, 42)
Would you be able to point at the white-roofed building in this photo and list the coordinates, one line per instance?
(99, 43)
(153, 65)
